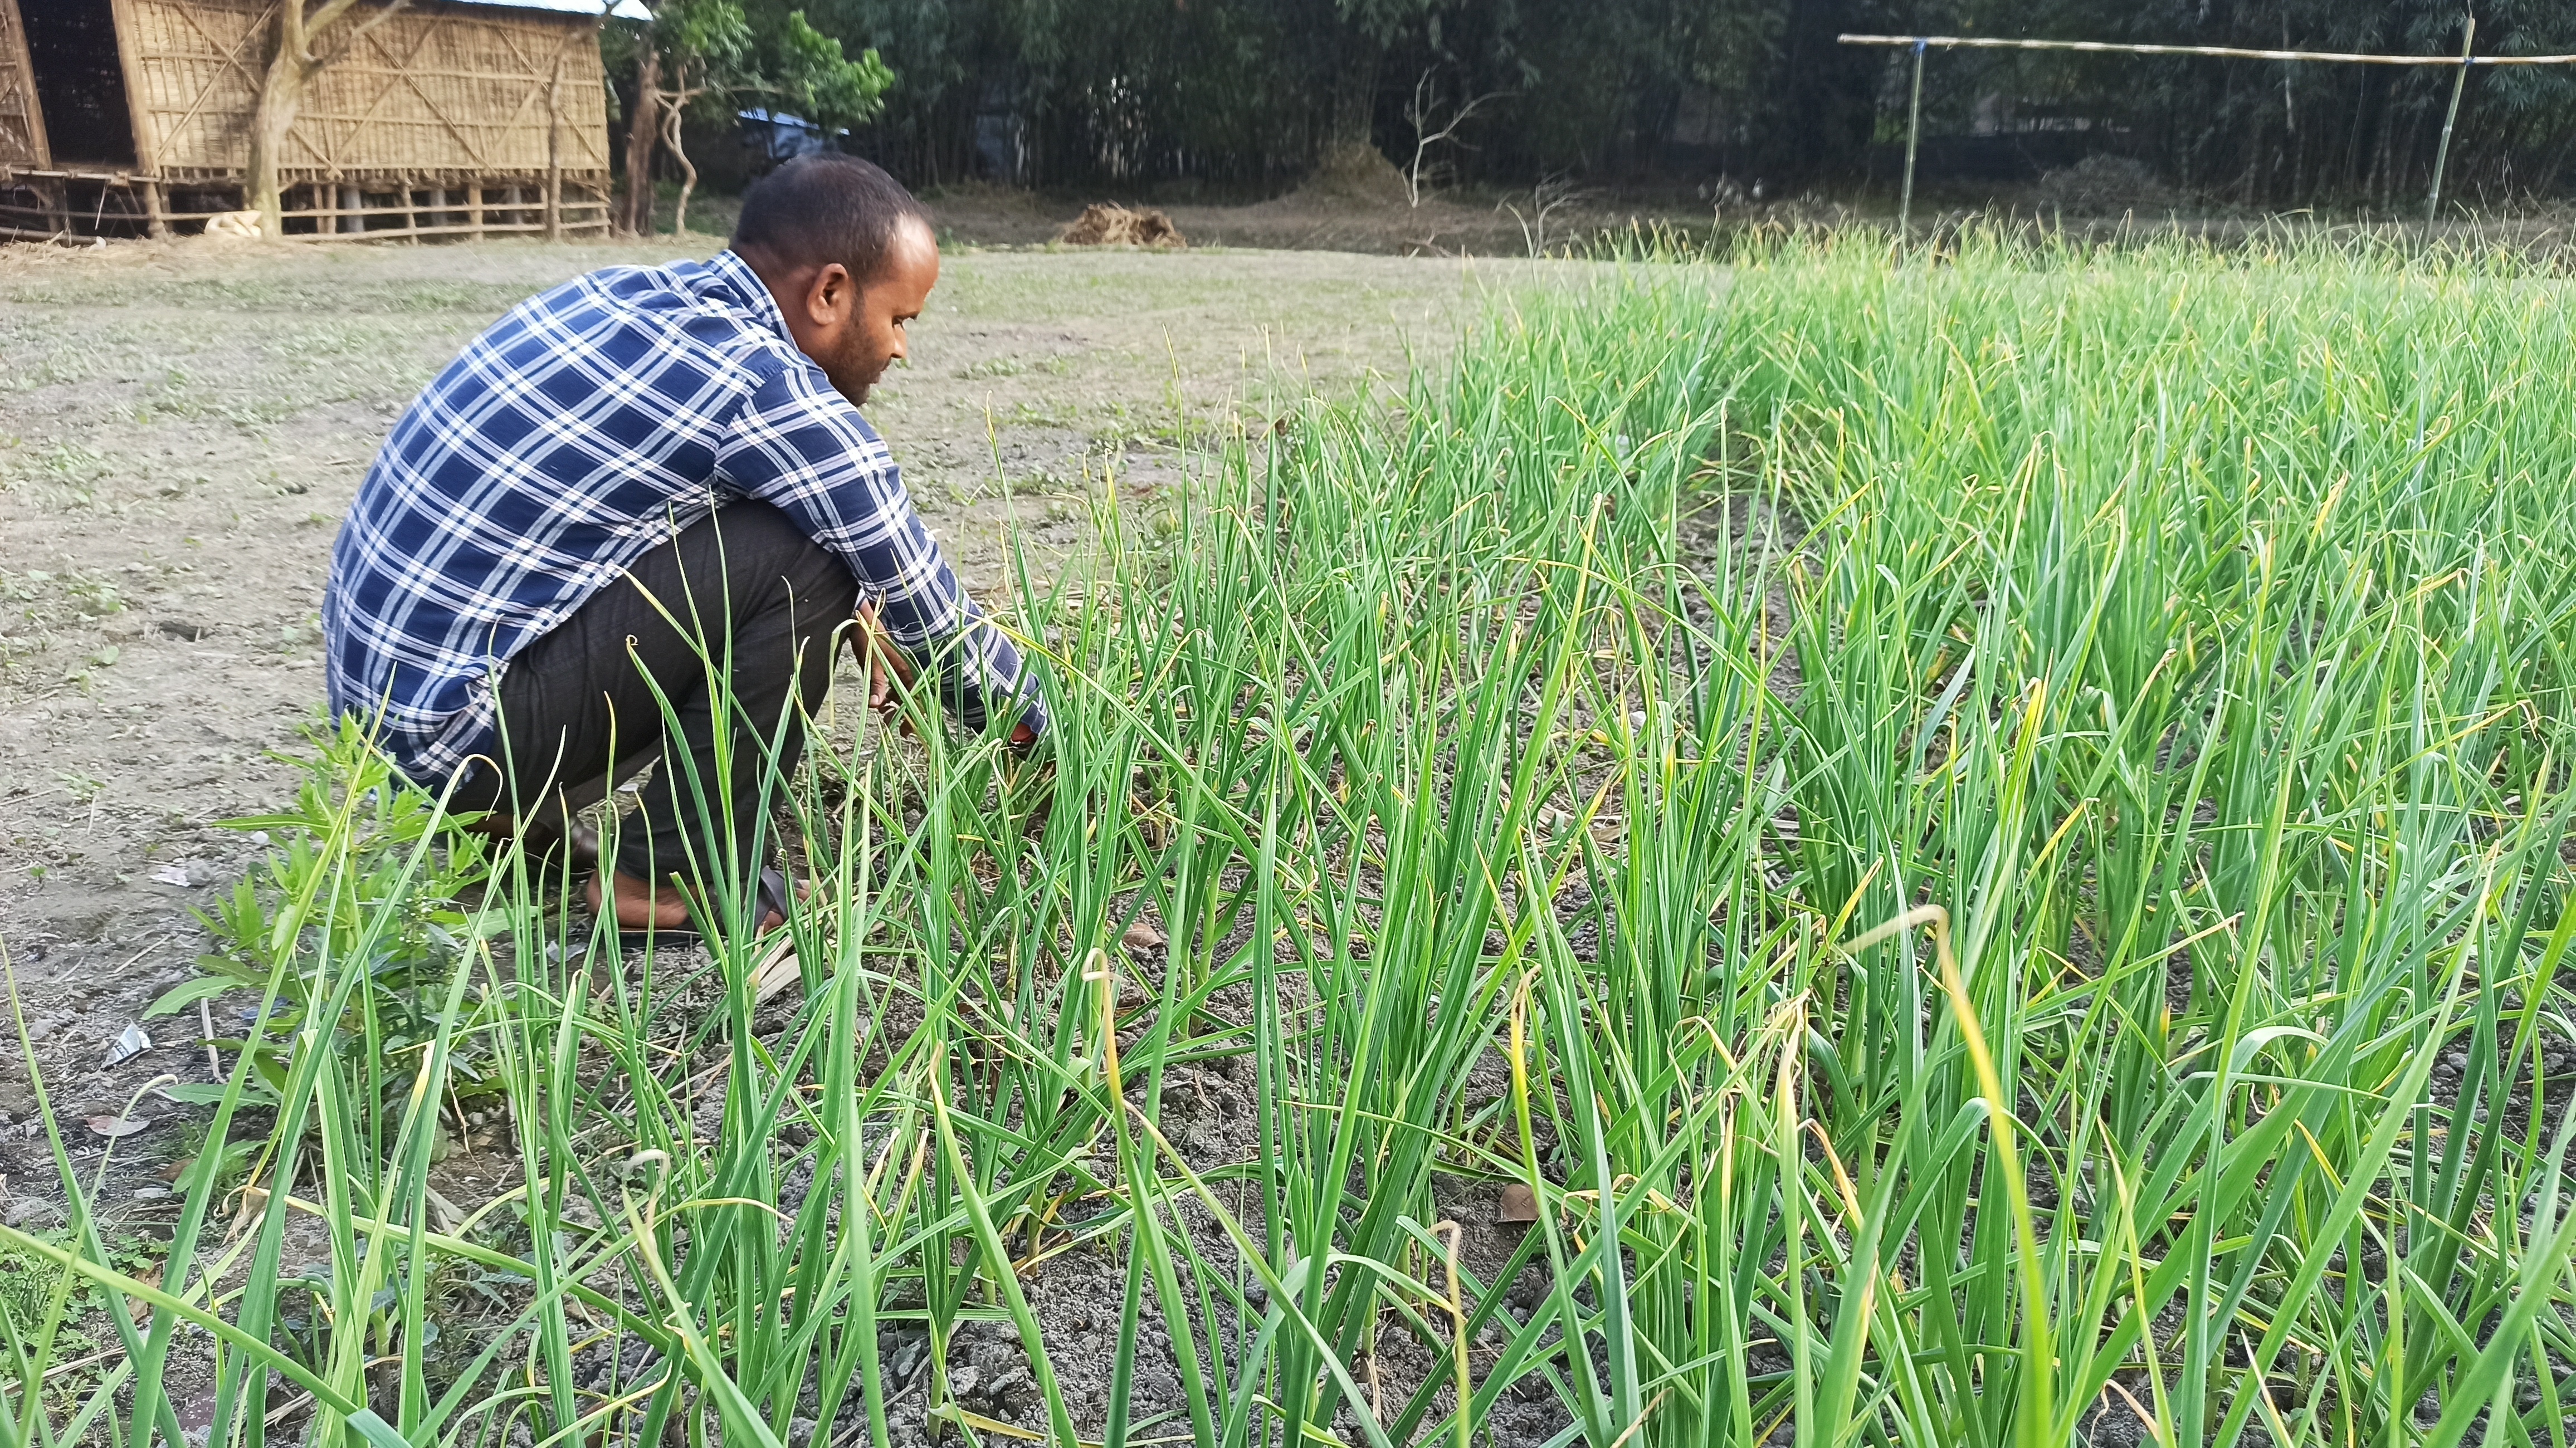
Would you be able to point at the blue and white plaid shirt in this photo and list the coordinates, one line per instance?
(583, 429)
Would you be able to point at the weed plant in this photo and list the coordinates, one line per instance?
(1983, 836)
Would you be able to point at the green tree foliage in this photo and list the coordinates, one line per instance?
(807, 73)
(2292, 134)
(722, 52)
(704, 57)
(1250, 94)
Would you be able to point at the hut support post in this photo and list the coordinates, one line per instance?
(2442, 155)
(352, 203)
(1913, 138)
(156, 216)
(474, 209)
(554, 153)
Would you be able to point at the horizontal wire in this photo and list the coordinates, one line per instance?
(1982, 42)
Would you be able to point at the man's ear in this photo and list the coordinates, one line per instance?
(832, 296)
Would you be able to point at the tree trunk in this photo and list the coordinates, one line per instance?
(641, 126)
(554, 153)
(679, 153)
(1824, 95)
(280, 96)
(292, 65)
(1355, 94)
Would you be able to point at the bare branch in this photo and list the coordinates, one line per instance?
(379, 18)
(1551, 194)
(315, 22)
(1425, 98)
(314, 25)
(674, 103)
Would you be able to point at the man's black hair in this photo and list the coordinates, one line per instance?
(826, 208)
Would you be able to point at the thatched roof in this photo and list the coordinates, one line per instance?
(622, 10)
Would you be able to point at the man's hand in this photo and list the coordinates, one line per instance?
(889, 667)
(887, 664)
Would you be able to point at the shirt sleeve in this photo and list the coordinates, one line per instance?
(803, 449)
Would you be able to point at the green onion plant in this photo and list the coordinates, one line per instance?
(1973, 843)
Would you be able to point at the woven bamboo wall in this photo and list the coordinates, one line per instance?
(435, 90)
(20, 122)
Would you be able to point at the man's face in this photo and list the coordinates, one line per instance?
(855, 333)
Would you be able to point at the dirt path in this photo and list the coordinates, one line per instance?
(181, 427)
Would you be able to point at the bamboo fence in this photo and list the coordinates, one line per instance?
(436, 120)
(2462, 63)
(22, 121)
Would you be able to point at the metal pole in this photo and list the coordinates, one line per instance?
(1913, 135)
(2460, 82)
(2098, 47)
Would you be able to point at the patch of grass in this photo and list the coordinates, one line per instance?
(92, 597)
(30, 1284)
(366, 865)
(58, 475)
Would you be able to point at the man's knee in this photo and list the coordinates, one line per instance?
(759, 544)
(823, 606)
(800, 593)
(824, 592)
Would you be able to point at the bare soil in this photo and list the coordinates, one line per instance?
(182, 425)
(1305, 220)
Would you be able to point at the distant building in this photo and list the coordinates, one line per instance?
(451, 118)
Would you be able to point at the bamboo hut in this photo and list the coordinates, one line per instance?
(447, 118)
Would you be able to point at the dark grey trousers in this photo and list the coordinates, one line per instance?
(705, 657)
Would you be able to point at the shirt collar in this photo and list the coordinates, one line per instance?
(727, 269)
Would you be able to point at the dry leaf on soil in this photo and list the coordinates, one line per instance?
(113, 1127)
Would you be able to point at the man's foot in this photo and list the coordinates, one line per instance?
(542, 843)
(641, 907)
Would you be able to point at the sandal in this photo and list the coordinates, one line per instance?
(543, 847)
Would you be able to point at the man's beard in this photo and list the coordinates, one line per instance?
(857, 392)
(851, 378)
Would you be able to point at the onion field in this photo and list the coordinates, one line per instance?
(1828, 849)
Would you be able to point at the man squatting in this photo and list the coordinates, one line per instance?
(630, 522)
